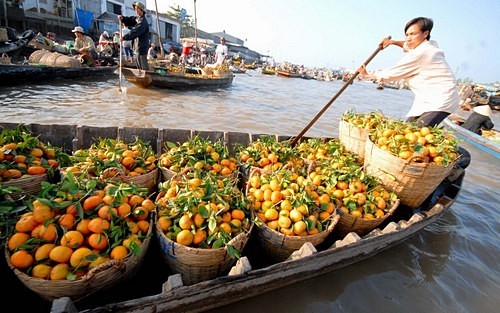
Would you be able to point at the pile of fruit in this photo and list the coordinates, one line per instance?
(202, 210)
(198, 153)
(76, 225)
(136, 158)
(407, 140)
(364, 120)
(22, 154)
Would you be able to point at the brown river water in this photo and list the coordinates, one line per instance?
(451, 266)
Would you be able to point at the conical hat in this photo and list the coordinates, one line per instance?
(483, 110)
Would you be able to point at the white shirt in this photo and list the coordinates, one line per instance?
(220, 53)
(429, 77)
(126, 43)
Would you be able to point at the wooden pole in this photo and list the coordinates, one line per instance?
(195, 27)
(159, 31)
(120, 67)
(296, 139)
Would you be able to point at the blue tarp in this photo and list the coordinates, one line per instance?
(84, 19)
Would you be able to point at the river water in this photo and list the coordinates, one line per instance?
(451, 266)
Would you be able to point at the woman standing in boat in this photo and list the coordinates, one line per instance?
(139, 32)
(479, 120)
(429, 76)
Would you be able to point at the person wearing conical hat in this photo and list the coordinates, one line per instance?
(479, 119)
(139, 33)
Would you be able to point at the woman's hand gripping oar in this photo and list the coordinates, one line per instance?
(296, 139)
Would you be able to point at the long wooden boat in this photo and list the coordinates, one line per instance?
(13, 74)
(252, 275)
(487, 145)
(163, 79)
(289, 74)
(268, 71)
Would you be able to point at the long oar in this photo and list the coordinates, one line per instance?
(120, 69)
(296, 139)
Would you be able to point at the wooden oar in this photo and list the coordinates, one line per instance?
(120, 69)
(296, 139)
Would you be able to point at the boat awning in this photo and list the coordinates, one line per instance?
(108, 17)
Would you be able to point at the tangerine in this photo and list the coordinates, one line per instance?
(22, 259)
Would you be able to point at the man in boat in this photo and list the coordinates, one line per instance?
(84, 46)
(139, 33)
(429, 76)
(479, 119)
(186, 51)
(152, 52)
(221, 52)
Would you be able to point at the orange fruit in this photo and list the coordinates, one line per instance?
(49, 232)
(124, 209)
(67, 220)
(22, 259)
(91, 202)
(36, 170)
(184, 237)
(164, 222)
(98, 225)
(17, 240)
(43, 251)
(198, 220)
(185, 222)
(299, 227)
(140, 213)
(98, 242)
(135, 200)
(60, 254)
(72, 239)
(83, 226)
(284, 222)
(271, 214)
(36, 152)
(79, 259)
(226, 227)
(59, 271)
(143, 226)
(199, 236)
(106, 212)
(132, 226)
(26, 224)
(119, 253)
(41, 271)
(148, 204)
(71, 209)
(43, 213)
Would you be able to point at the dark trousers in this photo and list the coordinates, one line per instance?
(432, 118)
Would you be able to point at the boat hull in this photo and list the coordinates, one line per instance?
(164, 80)
(251, 277)
(11, 75)
(480, 142)
(287, 74)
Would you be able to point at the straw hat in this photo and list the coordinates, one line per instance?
(483, 110)
(78, 29)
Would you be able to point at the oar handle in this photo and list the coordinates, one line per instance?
(296, 139)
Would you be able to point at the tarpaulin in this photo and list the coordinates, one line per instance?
(84, 19)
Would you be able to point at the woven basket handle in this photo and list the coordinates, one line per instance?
(181, 173)
(418, 159)
(114, 173)
(120, 264)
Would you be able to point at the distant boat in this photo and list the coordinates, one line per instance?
(268, 71)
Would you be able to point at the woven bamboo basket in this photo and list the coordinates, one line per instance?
(359, 225)
(148, 180)
(30, 185)
(196, 264)
(353, 138)
(412, 182)
(279, 246)
(167, 174)
(99, 278)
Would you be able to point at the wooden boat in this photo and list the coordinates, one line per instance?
(12, 46)
(252, 275)
(485, 144)
(289, 74)
(237, 70)
(163, 79)
(251, 66)
(14, 74)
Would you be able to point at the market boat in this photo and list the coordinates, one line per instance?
(13, 46)
(491, 146)
(237, 70)
(14, 74)
(287, 73)
(268, 71)
(164, 79)
(253, 274)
